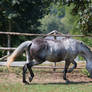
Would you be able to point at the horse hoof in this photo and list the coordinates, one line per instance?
(30, 79)
(62, 71)
(67, 81)
(69, 71)
(25, 82)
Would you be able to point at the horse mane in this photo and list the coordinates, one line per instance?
(56, 40)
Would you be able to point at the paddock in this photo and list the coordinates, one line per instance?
(45, 80)
(44, 74)
(48, 76)
(54, 33)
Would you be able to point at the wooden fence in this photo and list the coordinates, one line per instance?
(53, 33)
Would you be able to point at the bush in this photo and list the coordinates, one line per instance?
(50, 23)
(85, 72)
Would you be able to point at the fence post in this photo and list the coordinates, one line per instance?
(55, 32)
(9, 38)
(9, 42)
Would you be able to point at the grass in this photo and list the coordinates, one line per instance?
(85, 72)
(8, 86)
(46, 87)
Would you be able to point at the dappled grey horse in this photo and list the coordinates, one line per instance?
(40, 49)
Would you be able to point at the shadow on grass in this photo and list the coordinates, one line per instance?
(60, 83)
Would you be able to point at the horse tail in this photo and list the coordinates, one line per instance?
(19, 50)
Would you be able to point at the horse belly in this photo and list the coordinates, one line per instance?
(55, 57)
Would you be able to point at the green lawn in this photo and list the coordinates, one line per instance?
(81, 87)
(15, 84)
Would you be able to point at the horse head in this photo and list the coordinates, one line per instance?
(89, 67)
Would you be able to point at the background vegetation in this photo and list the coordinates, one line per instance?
(43, 16)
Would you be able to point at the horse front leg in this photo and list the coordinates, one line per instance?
(67, 63)
(74, 66)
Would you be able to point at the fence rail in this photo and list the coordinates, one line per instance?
(20, 64)
(53, 33)
(5, 48)
(56, 34)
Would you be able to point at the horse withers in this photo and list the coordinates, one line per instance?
(40, 49)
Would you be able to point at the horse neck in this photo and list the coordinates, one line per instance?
(86, 52)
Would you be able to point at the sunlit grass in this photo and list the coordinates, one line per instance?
(7, 87)
(13, 86)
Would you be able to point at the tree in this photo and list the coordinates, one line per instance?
(78, 18)
(70, 21)
(84, 8)
(23, 15)
(50, 23)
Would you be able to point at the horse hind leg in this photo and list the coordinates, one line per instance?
(29, 66)
(30, 63)
(24, 74)
(26, 65)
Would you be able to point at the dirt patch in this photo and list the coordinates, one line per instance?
(57, 77)
(9, 77)
(46, 77)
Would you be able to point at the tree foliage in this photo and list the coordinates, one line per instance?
(50, 23)
(23, 16)
(23, 13)
(84, 8)
(86, 21)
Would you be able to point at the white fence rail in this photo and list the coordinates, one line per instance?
(20, 64)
